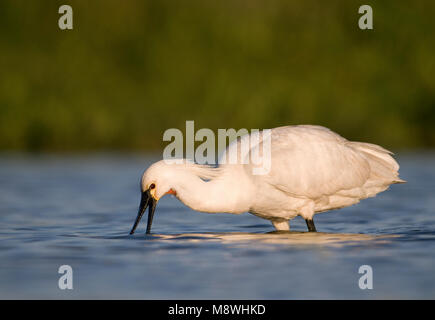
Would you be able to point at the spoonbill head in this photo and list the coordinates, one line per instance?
(312, 170)
(165, 177)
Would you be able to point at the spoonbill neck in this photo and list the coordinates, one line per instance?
(204, 189)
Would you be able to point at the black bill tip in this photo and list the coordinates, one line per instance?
(146, 201)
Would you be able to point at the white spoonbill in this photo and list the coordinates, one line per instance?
(312, 170)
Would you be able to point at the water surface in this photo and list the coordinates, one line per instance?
(78, 210)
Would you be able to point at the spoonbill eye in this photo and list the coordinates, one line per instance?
(152, 186)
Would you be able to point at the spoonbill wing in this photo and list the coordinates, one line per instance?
(312, 162)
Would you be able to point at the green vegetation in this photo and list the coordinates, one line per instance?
(131, 69)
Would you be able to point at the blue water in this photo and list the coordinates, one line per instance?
(78, 210)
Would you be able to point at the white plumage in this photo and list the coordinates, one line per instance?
(312, 170)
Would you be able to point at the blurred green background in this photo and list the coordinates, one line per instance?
(131, 69)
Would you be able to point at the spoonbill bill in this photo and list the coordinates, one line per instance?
(312, 170)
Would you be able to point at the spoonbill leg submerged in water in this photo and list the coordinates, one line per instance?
(312, 170)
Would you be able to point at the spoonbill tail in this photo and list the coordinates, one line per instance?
(312, 170)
